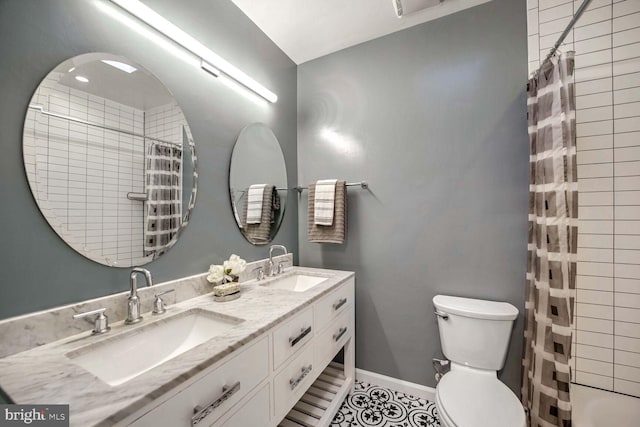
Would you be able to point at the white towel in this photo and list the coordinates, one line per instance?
(254, 203)
(324, 202)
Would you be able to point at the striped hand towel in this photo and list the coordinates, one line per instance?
(324, 202)
(254, 203)
(337, 232)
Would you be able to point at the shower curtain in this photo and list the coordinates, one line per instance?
(164, 204)
(553, 234)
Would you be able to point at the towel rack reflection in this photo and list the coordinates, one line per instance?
(41, 109)
(363, 184)
(246, 189)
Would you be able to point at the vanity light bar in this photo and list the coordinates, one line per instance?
(206, 55)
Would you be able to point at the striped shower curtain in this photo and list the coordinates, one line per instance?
(164, 204)
(553, 233)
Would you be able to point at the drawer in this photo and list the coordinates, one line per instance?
(329, 307)
(253, 413)
(294, 380)
(329, 342)
(291, 336)
(216, 392)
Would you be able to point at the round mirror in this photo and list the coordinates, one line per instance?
(110, 159)
(258, 183)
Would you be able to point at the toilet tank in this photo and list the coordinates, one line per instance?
(475, 332)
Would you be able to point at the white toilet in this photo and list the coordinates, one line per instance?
(474, 335)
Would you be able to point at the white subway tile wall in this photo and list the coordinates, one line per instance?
(82, 174)
(606, 39)
(165, 122)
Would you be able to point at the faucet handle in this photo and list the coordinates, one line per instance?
(101, 322)
(260, 271)
(281, 266)
(159, 306)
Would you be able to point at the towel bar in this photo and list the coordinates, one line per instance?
(246, 189)
(363, 184)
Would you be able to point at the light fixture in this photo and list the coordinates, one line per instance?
(82, 79)
(71, 69)
(405, 7)
(120, 65)
(210, 60)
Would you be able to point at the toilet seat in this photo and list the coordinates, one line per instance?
(468, 399)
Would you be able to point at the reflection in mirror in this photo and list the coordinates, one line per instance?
(258, 183)
(110, 159)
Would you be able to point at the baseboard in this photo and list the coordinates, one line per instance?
(416, 390)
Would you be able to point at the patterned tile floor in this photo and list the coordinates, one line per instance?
(371, 405)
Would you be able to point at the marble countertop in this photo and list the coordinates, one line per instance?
(45, 375)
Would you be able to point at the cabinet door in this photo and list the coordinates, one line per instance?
(291, 336)
(294, 379)
(255, 413)
(332, 305)
(215, 393)
(329, 342)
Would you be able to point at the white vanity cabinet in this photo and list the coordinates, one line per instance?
(214, 393)
(281, 376)
(255, 412)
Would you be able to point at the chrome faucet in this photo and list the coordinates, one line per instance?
(133, 302)
(272, 267)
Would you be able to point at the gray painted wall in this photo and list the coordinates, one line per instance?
(41, 271)
(434, 118)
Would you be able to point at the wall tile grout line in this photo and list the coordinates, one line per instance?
(614, 192)
(601, 347)
(609, 363)
(613, 377)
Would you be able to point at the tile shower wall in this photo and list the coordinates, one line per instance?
(84, 173)
(165, 122)
(606, 40)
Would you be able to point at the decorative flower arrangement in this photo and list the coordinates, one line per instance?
(229, 271)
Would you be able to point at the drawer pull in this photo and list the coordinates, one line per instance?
(339, 304)
(305, 371)
(339, 334)
(201, 412)
(303, 333)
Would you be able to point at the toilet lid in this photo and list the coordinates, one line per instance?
(478, 400)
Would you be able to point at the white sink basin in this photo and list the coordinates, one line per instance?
(297, 282)
(121, 358)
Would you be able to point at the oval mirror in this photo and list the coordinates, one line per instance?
(110, 159)
(258, 183)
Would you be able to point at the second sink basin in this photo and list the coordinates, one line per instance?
(124, 357)
(296, 282)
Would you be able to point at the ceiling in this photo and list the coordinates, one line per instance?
(140, 89)
(309, 29)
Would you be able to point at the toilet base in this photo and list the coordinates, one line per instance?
(477, 399)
